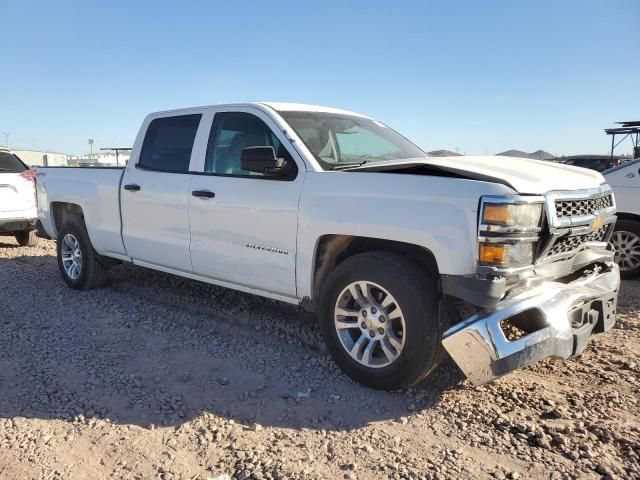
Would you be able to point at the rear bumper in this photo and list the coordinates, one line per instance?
(10, 225)
(567, 314)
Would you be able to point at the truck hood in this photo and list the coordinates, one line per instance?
(522, 174)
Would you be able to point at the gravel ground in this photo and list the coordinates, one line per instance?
(160, 377)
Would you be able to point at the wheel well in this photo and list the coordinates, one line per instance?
(63, 211)
(331, 250)
(628, 216)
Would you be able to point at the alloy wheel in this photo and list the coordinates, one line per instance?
(71, 256)
(370, 324)
(626, 247)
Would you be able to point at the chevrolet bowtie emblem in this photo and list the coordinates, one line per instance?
(597, 223)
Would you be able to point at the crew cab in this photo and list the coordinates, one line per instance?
(500, 261)
(625, 241)
(17, 199)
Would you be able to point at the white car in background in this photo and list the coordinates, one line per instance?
(18, 212)
(625, 182)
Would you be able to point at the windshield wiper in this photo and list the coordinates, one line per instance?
(346, 166)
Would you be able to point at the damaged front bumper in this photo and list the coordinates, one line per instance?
(560, 318)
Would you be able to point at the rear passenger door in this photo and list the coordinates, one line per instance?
(155, 194)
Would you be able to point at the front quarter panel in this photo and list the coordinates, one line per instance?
(437, 213)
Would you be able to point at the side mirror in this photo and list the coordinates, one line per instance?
(262, 159)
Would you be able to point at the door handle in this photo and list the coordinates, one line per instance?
(203, 194)
(132, 187)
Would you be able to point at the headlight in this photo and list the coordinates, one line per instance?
(521, 215)
(508, 231)
(506, 255)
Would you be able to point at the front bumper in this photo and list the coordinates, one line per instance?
(566, 315)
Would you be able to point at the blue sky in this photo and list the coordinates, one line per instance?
(477, 76)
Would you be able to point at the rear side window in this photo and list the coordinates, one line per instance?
(9, 163)
(168, 143)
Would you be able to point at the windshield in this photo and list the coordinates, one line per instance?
(9, 163)
(339, 141)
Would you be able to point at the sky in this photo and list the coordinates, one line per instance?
(476, 77)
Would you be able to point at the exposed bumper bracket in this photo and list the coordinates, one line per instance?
(570, 313)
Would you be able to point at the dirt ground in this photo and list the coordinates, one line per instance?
(160, 377)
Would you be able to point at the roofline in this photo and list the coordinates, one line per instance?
(37, 151)
(274, 106)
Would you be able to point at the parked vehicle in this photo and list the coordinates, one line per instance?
(625, 181)
(600, 163)
(17, 199)
(401, 255)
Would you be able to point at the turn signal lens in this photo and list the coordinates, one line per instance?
(512, 255)
(493, 255)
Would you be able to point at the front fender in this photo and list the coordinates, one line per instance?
(436, 213)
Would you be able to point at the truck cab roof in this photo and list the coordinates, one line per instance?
(277, 106)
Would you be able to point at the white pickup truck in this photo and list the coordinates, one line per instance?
(500, 261)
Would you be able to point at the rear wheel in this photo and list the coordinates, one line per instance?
(380, 317)
(27, 238)
(625, 243)
(78, 262)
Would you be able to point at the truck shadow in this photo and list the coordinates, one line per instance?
(155, 349)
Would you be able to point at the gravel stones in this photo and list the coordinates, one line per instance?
(160, 377)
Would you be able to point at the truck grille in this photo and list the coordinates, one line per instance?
(569, 244)
(578, 208)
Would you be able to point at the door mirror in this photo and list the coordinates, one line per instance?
(262, 160)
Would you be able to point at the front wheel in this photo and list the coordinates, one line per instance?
(380, 317)
(625, 243)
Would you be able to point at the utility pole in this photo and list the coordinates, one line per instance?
(6, 138)
(91, 145)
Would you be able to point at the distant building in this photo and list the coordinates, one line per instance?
(37, 158)
(99, 160)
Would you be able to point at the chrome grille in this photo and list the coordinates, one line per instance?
(568, 244)
(578, 208)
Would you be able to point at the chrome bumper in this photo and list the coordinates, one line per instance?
(569, 313)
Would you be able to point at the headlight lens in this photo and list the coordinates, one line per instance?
(506, 255)
(512, 215)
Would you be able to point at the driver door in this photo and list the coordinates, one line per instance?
(244, 230)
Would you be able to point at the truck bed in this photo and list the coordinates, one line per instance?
(96, 190)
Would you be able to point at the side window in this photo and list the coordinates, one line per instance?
(168, 143)
(232, 132)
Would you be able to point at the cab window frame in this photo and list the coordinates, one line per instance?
(156, 120)
(212, 137)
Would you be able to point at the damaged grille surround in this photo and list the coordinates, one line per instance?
(578, 220)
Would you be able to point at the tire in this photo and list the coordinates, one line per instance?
(90, 273)
(627, 255)
(415, 292)
(27, 238)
